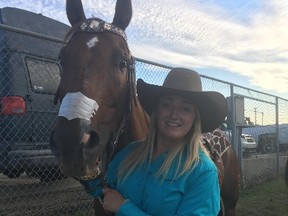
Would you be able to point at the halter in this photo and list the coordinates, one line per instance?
(97, 26)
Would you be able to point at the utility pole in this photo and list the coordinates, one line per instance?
(262, 116)
(255, 115)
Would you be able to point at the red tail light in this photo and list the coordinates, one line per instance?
(12, 105)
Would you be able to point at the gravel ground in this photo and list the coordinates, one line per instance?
(29, 196)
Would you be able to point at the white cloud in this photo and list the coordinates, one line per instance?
(248, 38)
(205, 37)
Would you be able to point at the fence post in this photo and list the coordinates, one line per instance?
(277, 139)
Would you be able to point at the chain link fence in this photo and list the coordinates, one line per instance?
(30, 180)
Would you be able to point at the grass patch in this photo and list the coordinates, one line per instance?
(267, 199)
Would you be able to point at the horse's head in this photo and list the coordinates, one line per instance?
(94, 89)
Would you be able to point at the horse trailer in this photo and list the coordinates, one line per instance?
(29, 76)
(265, 137)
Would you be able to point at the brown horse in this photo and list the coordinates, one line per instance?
(100, 112)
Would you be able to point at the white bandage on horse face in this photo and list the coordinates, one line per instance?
(77, 105)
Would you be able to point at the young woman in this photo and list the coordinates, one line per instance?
(170, 172)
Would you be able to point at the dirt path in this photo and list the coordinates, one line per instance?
(29, 196)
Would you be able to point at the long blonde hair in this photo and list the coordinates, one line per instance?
(187, 151)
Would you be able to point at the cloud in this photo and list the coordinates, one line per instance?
(248, 38)
(191, 35)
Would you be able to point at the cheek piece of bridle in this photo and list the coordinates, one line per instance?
(96, 26)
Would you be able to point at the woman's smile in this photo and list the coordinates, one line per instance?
(175, 118)
(172, 124)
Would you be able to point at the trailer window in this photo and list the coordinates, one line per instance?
(44, 75)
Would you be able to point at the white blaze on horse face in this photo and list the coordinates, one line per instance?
(92, 42)
(77, 105)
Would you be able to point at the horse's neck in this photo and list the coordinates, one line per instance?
(137, 126)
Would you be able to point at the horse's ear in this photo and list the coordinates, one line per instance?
(74, 11)
(123, 13)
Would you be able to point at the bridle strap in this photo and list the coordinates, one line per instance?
(131, 95)
(96, 25)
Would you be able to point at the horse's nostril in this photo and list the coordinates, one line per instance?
(85, 138)
(93, 141)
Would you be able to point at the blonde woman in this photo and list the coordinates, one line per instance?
(170, 172)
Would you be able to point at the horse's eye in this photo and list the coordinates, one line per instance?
(122, 64)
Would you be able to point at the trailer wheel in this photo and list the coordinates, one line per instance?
(267, 148)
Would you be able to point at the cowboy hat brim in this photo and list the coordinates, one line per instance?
(212, 105)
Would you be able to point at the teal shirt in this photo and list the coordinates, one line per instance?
(196, 193)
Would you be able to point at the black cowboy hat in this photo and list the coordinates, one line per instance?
(212, 105)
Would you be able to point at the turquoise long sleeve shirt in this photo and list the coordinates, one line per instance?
(195, 194)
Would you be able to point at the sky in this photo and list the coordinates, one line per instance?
(238, 41)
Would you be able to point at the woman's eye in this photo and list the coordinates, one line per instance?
(123, 65)
(165, 105)
(187, 109)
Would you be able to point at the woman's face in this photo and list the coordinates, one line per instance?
(175, 117)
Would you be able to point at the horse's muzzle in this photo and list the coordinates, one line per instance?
(78, 152)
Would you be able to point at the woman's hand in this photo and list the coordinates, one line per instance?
(112, 200)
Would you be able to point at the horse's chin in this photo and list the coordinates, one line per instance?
(82, 170)
(91, 174)
(84, 161)
(83, 173)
